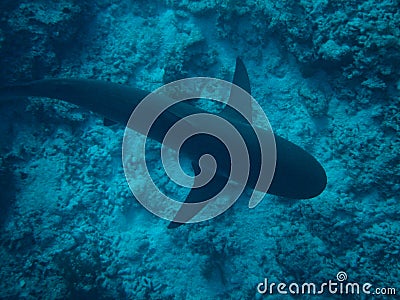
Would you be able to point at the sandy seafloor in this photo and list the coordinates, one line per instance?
(325, 72)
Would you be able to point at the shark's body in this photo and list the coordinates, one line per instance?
(298, 175)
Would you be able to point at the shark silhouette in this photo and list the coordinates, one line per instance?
(298, 175)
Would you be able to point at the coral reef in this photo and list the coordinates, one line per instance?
(35, 36)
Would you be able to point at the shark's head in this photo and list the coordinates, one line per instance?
(298, 175)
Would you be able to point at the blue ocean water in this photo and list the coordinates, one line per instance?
(326, 73)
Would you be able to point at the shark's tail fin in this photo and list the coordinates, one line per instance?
(12, 92)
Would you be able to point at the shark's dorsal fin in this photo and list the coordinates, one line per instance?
(236, 98)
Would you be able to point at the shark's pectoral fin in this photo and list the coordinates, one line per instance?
(198, 195)
(194, 196)
(237, 98)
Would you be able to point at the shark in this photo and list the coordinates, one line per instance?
(297, 175)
